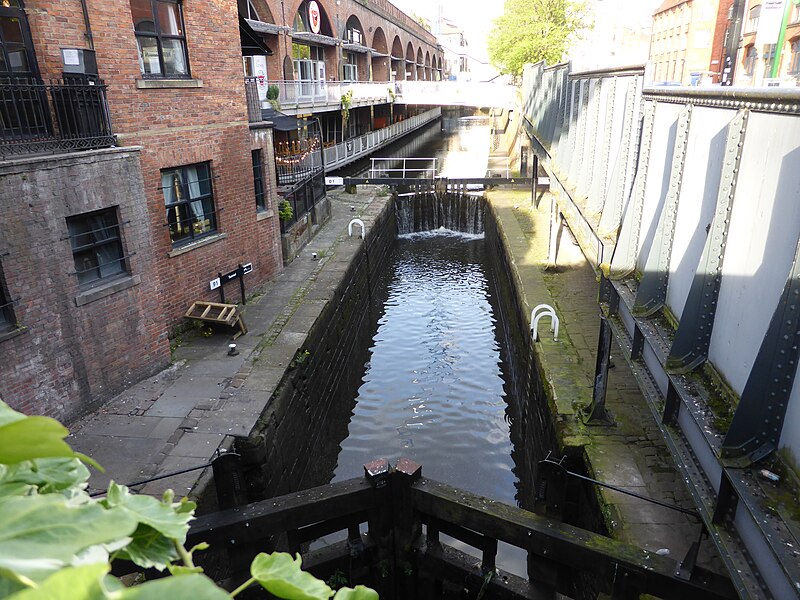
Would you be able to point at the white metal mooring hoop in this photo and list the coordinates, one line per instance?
(357, 222)
(544, 310)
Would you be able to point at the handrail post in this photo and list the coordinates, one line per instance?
(379, 520)
(407, 524)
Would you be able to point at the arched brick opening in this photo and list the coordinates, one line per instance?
(398, 59)
(381, 63)
(411, 68)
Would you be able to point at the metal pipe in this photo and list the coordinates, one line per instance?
(686, 511)
(88, 25)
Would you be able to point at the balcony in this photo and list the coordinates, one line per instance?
(343, 153)
(58, 116)
(303, 96)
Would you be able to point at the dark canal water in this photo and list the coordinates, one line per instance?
(433, 387)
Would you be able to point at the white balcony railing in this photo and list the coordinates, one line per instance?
(297, 95)
(350, 150)
(456, 93)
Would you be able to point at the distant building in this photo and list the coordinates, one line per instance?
(454, 47)
(688, 41)
(620, 35)
(762, 21)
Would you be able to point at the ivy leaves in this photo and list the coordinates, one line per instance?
(57, 542)
(282, 576)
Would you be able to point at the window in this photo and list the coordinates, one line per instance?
(794, 64)
(247, 10)
(350, 67)
(752, 20)
(354, 36)
(769, 58)
(160, 36)
(189, 202)
(96, 246)
(7, 319)
(795, 16)
(750, 57)
(258, 180)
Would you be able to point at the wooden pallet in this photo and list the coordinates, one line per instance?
(215, 312)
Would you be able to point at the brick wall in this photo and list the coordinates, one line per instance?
(718, 41)
(87, 352)
(178, 126)
(77, 345)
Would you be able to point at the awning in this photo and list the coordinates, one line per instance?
(268, 28)
(356, 48)
(252, 44)
(316, 38)
(283, 122)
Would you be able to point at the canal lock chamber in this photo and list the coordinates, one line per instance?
(299, 437)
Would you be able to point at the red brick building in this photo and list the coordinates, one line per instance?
(138, 162)
(102, 252)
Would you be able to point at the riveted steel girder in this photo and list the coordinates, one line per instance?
(758, 421)
(612, 208)
(597, 195)
(693, 337)
(652, 291)
(624, 261)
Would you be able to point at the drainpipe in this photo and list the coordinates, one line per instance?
(88, 25)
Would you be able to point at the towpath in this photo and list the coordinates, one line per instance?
(181, 417)
(629, 452)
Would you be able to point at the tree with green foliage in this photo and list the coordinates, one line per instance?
(56, 541)
(533, 30)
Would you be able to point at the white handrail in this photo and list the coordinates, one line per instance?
(544, 310)
(356, 222)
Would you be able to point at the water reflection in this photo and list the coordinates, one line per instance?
(433, 387)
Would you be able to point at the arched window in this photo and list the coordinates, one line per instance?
(750, 57)
(794, 62)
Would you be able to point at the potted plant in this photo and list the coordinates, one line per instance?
(273, 91)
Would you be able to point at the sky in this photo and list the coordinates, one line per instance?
(475, 16)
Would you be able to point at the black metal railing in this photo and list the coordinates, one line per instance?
(57, 116)
(302, 197)
(251, 85)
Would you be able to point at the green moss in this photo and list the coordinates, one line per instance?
(719, 396)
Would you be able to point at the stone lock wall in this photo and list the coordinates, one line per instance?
(296, 442)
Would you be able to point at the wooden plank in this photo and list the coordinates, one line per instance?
(446, 563)
(563, 543)
(257, 521)
(205, 312)
(313, 532)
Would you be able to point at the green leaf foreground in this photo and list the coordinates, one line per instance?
(283, 577)
(56, 542)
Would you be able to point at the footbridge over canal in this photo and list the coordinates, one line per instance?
(686, 201)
